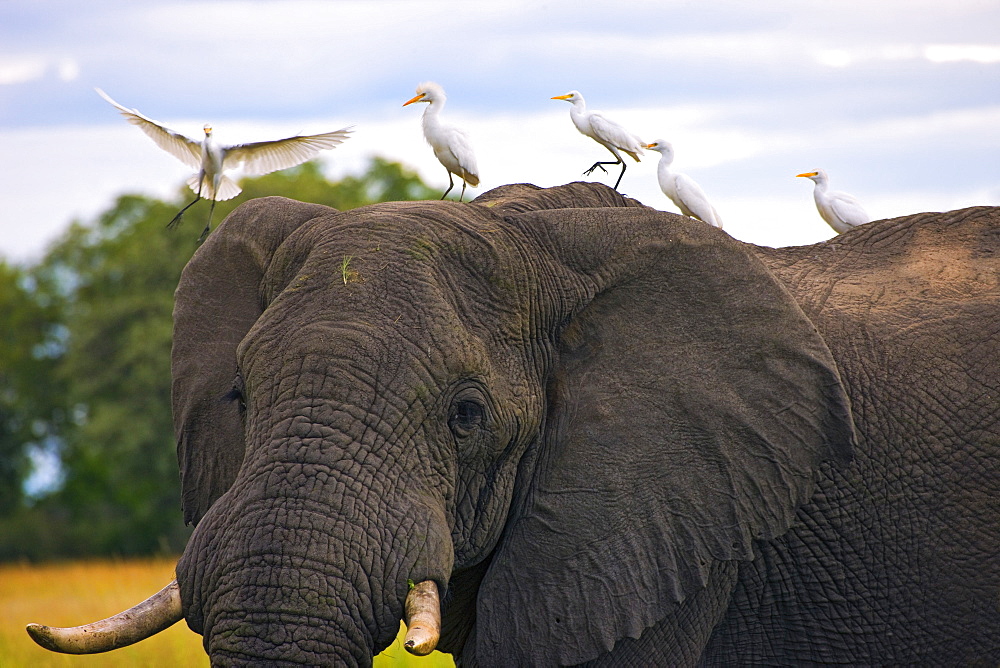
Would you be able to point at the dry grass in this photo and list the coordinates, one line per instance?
(79, 592)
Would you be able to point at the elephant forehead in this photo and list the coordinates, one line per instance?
(300, 333)
(455, 267)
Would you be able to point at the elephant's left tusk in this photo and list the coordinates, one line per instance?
(156, 613)
(423, 618)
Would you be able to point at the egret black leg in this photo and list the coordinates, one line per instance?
(598, 165)
(451, 184)
(208, 225)
(197, 196)
(176, 219)
(620, 175)
(461, 198)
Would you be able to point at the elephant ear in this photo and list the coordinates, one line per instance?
(690, 406)
(217, 300)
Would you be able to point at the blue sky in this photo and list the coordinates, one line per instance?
(898, 100)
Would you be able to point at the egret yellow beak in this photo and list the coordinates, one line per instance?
(415, 99)
(561, 97)
(653, 145)
(208, 128)
(807, 174)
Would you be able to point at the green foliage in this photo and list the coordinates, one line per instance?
(384, 181)
(85, 340)
(121, 489)
(28, 334)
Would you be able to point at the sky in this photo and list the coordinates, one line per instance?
(898, 100)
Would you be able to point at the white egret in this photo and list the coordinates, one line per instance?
(604, 131)
(840, 210)
(211, 160)
(681, 188)
(451, 145)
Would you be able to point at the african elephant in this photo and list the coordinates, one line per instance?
(609, 434)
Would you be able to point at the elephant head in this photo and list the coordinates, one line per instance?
(569, 412)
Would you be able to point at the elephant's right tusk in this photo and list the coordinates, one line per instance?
(159, 611)
(423, 618)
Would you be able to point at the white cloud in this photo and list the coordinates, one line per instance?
(834, 57)
(935, 53)
(67, 69)
(952, 53)
(976, 126)
(25, 69)
(21, 70)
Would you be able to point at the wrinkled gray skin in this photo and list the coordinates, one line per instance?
(608, 433)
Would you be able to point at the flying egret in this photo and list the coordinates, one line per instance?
(604, 131)
(211, 160)
(451, 145)
(840, 210)
(681, 188)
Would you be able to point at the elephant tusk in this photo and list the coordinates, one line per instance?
(156, 613)
(423, 618)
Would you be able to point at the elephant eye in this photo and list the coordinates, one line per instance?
(466, 416)
(236, 393)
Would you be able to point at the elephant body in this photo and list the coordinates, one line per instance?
(611, 435)
(894, 561)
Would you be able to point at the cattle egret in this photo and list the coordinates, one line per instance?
(840, 210)
(604, 131)
(681, 188)
(211, 160)
(451, 145)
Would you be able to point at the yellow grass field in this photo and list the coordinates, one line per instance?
(78, 592)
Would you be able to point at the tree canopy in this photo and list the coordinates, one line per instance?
(85, 340)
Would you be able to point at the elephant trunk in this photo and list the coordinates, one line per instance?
(311, 578)
(253, 619)
(284, 635)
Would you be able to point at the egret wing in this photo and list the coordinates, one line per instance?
(265, 157)
(848, 209)
(692, 198)
(608, 131)
(462, 156)
(183, 148)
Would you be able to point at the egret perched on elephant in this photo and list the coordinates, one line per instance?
(840, 210)
(605, 132)
(451, 145)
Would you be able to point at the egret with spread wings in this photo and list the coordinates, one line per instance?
(212, 160)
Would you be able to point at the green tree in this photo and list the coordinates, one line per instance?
(28, 345)
(87, 366)
(117, 278)
(383, 181)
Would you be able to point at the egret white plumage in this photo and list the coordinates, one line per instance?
(451, 145)
(604, 131)
(681, 188)
(212, 160)
(840, 210)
